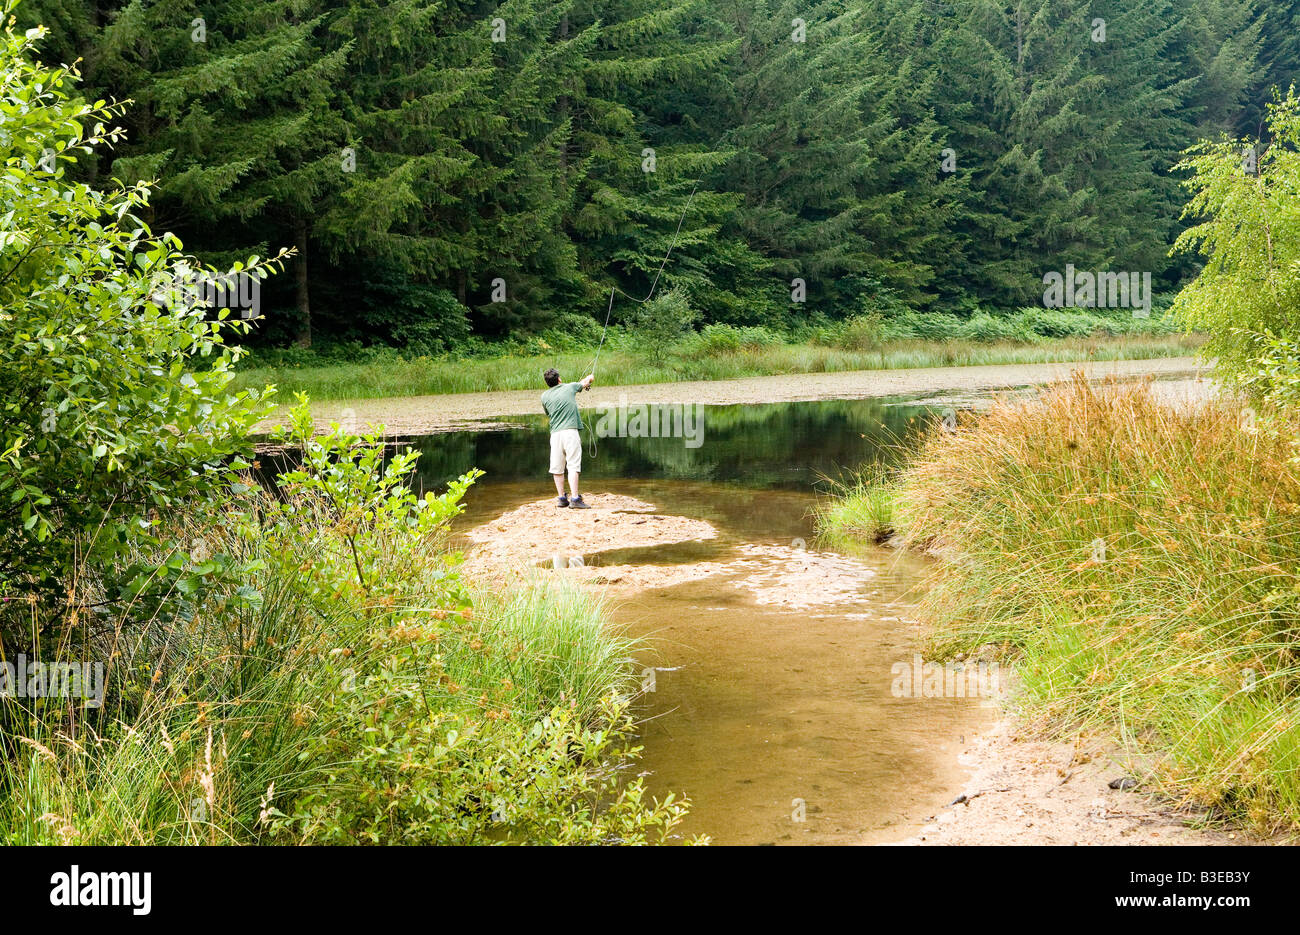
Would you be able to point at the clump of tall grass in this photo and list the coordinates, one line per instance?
(339, 683)
(859, 508)
(1141, 560)
(574, 653)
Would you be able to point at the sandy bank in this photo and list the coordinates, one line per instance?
(1028, 791)
(1017, 789)
(420, 415)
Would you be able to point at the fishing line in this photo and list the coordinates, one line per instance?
(615, 289)
(653, 285)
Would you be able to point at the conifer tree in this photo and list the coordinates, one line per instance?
(838, 154)
(1068, 117)
(637, 154)
(234, 115)
(443, 166)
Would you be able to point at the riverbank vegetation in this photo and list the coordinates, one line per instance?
(328, 678)
(388, 374)
(1137, 556)
(1138, 561)
(294, 656)
(261, 657)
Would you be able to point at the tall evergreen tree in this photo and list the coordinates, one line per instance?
(636, 155)
(1219, 46)
(442, 165)
(1067, 115)
(234, 114)
(838, 154)
(1279, 63)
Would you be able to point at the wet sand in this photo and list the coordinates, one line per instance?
(769, 661)
(1026, 790)
(422, 415)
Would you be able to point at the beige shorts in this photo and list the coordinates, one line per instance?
(566, 451)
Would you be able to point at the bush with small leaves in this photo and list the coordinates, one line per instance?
(117, 410)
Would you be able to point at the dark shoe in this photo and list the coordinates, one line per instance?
(562, 501)
(577, 503)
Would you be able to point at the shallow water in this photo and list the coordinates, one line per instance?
(771, 711)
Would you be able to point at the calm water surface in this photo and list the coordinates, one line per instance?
(761, 713)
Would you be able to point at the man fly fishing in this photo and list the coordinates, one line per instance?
(560, 403)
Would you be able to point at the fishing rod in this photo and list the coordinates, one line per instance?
(653, 285)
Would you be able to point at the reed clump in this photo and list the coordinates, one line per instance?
(1140, 562)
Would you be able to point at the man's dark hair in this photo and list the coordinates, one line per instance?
(552, 377)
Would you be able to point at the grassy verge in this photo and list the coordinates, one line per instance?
(327, 677)
(1140, 562)
(861, 509)
(397, 376)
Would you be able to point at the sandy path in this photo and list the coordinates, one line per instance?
(420, 415)
(1029, 791)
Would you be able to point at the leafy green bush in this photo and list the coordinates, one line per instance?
(1274, 371)
(348, 687)
(656, 326)
(1059, 322)
(756, 336)
(1249, 234)
(419, 320)
(912, 325)
(116, 408)
(988, 328)
(863, 332)
(715, 340)
(574, 333)
(1157, 324)
(400, 771)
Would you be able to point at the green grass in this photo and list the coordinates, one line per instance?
(1140, 564)
(860, 509)
(574, 651)
(201, 757)
(300, 704)
(396, 376)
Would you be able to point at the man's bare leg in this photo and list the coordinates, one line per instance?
(559, 484)
(573, 483)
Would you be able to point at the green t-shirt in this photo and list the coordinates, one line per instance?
(561, 404)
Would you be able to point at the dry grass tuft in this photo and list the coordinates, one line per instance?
(1142, 562)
